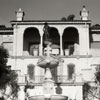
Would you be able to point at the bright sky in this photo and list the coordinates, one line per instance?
(48, 9)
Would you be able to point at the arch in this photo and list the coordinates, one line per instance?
(70, 39)
(71, 70)
(53, 35)
(31, 71)
(31, 40)
(55, 40)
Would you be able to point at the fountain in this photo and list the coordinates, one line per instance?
(48, 62)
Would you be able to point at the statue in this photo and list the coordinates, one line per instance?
(48, 50)
(84, 14)
(47, 42)
(46, 34)
(20, 15)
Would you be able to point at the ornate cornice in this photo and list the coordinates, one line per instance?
(41, 22)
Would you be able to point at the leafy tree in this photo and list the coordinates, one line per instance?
(8, 78)
(97, 74)
(71, 17)
(63, 19)
(86, 89)
(91, 92)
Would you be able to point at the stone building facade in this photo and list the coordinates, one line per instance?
(77, 42)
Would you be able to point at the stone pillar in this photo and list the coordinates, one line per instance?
(87, 38)
(14, 39)
(61, 49)
(84, 35)
(60, 29)
(21, 93)
(79, 93)
(41, 46)
(61, 44)
(48, 84)
(18, 41)
(40, 28)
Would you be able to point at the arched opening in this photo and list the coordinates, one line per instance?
(70, 41)
(55, 40)
(71, 71)
(30, 70)
(54, 36)
(31, 41)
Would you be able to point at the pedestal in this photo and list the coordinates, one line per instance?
(48, 83)
(21, 93)
(48, 87)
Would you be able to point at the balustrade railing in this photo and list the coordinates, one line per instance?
(64, 79)
(40, 79)
(25, 79)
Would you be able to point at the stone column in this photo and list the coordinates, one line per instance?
(21, 93)
(84, 39)
(14, 40)
(61, 49)
(41, 45)
(60, 29)
(87, 38)
(41, 40)
(18, 41)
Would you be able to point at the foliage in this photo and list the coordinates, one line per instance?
(13, 83)
(7, 76)
(91, 92)
(71, 17)
(63, 19)
(97, 77)
(4, 69)
(86, 88)
(97, 74)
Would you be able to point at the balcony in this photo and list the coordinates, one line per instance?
(72, 49)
